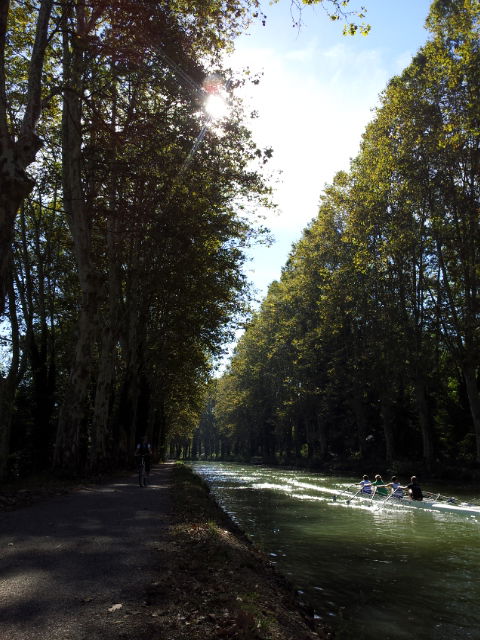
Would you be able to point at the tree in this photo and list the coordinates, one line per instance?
(19, 141)
(372, 333)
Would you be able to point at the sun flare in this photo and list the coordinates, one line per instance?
(216, 107)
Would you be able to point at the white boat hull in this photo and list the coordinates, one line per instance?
(444, 506)
(436, 505)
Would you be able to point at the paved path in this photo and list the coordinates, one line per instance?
(66, 561)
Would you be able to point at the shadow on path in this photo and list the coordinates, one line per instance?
(64, 563)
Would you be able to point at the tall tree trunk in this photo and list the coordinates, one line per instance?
(101, 431)
(70, 448)
(464, 344)
(38, 341)
(360, 417)
(9, 384)
(7, 400)
(288, 441)
(135, 384)
(388, 425)
(474, 401)
(18, 153)
(159, 425)
(99, 457)
(428, 447)
(195, 445)
(71, 441)
(321, 449)
(268, 440)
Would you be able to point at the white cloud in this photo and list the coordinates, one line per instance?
(314, 105)
(402, 61)
(304, 54)
(313, 118)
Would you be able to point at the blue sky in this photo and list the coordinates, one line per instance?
(316, 96)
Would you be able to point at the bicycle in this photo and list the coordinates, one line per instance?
(142, 474)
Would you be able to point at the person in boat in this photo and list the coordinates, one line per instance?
(414, 489)
(379, 486)
(396, 488)
(366, 485)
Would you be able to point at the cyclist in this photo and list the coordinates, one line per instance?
(144, 449)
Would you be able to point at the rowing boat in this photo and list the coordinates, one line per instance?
(445, 506)
(434, 502)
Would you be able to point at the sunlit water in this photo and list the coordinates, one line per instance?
(371, 571)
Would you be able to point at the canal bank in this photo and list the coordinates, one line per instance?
(218, 583)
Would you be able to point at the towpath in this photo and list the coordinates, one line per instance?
(77, 567)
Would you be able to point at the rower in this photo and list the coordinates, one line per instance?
(414, 489)
(366, 485)
(395, 486)
(379, 486)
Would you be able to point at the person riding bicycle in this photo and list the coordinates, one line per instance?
(144, 449)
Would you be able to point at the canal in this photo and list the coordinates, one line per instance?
(370, 570)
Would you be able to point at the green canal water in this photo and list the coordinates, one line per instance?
(370, 571)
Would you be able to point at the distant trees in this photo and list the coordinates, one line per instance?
(368, 347)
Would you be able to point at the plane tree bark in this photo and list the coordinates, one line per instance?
(10, 381)
(71, 441)
(36, 276)
(18, 149)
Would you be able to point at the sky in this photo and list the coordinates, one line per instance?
(314, 101)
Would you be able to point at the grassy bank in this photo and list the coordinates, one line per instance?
(217, 584)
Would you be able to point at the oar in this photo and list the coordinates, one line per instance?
(344, 491)
(350, 499)
(446, 499)
(433, 496)
(386, 500)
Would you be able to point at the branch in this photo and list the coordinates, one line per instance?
(335, 10)
(96, 14)
(34, 90)
(57, 91)
(4, 6)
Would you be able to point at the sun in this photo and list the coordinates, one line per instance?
(216, 107)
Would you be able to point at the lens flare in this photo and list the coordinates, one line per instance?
(216, 107)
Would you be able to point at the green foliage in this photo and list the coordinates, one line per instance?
(368, 346)
(152, 265)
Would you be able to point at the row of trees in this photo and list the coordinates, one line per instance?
(369, 345)
(124, 265)
(124, 214)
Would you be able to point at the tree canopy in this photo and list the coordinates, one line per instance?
(125, 211)
(368, 346)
